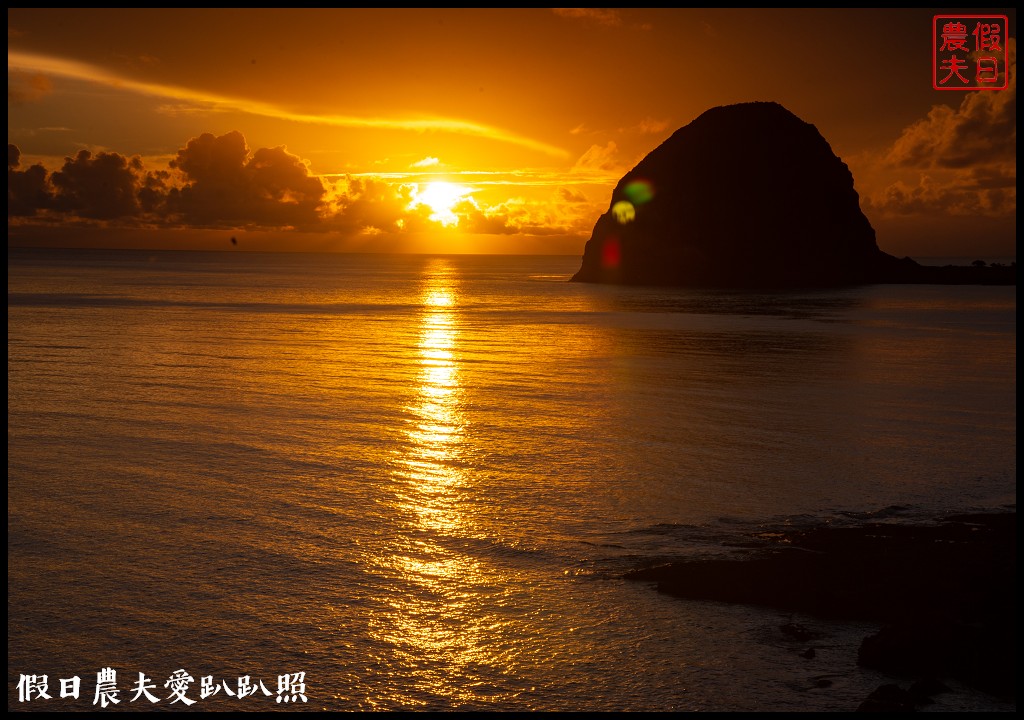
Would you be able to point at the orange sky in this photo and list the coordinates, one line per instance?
(317, 129)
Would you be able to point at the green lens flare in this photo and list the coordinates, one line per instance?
(639, 191)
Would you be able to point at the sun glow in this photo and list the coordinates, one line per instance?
(440, 197)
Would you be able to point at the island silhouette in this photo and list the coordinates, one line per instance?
(749, 196)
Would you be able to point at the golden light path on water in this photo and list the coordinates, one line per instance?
(439, 627)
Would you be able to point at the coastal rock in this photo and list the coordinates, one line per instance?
(945, 593)
(979, 652)
(745, 196)
(888, 698)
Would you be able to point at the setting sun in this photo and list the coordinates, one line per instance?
(441, 197)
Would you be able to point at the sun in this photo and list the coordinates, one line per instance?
(440, 197)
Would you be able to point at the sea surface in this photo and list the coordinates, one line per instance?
(383, 482)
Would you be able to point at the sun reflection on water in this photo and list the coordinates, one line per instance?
(430, 462)
(438, 626)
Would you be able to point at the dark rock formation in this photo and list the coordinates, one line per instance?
(889, 698)
(746, 196)
(978, 651)
(945, 593)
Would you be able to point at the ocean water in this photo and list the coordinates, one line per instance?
(412, 482)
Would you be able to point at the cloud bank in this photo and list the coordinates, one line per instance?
(218, 182)
(957, 161)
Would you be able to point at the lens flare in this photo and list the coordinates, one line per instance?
(639, 191)
(611, 253)
(624, 211)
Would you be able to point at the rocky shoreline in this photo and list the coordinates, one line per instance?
(944, 594)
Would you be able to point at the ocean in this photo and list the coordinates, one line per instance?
(410, 482)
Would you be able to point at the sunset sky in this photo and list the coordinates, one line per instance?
(477, 130)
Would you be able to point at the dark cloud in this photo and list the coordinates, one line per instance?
(992, 177)
(516, 216)
(212, 182)
(101, 187)
(982, 129)
(28, 191)
(369, 204)
(988, 191)
(495, 222)
(957, 161)
(216, 182)
(154, 191)
(225, 186)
